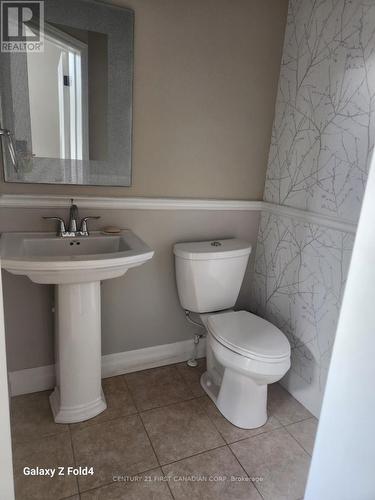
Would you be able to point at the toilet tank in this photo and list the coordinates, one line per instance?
(209, 274)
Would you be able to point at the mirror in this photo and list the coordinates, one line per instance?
(66, 83)
(65, 111)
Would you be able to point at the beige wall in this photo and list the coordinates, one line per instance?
(206, 73)
(205, 83)
(140, 309)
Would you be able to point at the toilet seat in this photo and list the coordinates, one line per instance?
(249, 335)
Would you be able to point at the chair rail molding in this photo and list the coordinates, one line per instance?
(330, 221)
(124, 203)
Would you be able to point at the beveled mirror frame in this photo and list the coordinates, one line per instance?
(118, 24)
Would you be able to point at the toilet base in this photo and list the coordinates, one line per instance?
(239, 399)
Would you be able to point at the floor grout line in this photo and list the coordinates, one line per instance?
(74, 460)
(75, 427)
(70, 497)
(192, 396)
(296, 440)
(140, 472)
(143, 473)
(158, 406)
(244, 438)
(212, 421)
(194, 455)
(186, 458)
(297, 421)
(87, 426)
(242, 467)
(170, 490)
(132, 398)
(255, 435)
(170, 404)
(140, 413)
(148, 437)
(43, 436)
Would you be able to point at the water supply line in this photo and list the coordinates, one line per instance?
(192, 362)
(8, 136)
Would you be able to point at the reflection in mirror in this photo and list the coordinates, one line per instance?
(68, 108)
(61, 80)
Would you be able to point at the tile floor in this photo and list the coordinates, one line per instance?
(162, 438)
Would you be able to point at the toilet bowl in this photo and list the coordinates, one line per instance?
(245, 353)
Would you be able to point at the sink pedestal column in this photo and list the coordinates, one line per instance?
(78, 393)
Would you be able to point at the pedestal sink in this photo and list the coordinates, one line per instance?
(75, 266)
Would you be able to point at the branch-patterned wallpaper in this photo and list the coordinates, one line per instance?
(299, 277)
(324, 128)
(322, 141)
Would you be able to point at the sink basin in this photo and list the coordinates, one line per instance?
(75, 266)
(46, 258)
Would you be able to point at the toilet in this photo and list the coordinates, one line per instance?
(245, 353)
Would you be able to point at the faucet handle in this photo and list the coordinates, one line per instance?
(83, 229)
(61, 226)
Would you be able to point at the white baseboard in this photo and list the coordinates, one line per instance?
(42, 378)
(31, 380)
(149, 357)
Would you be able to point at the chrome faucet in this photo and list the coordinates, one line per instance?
(72, 231)
(83, 231)
(73, 217)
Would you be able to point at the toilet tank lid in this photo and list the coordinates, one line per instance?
(213, 249)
